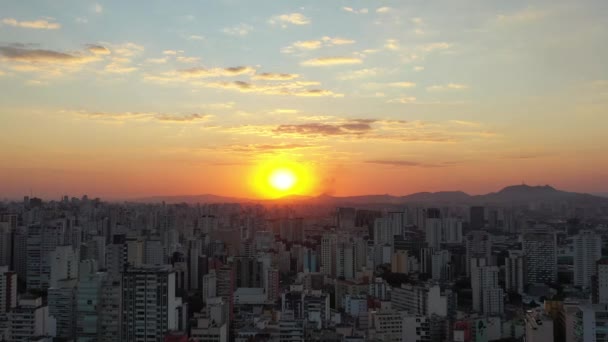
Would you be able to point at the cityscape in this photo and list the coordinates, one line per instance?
(290, 171)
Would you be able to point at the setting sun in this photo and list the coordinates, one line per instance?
(276, 178)
(282, 179)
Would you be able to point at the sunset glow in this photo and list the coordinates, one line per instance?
(367, 96)
(282, 179)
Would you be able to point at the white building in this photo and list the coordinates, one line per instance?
(30, 319)
(386, 325)
(416, 328)
(487, 295)
(440, 261)
(423, 300)
(587, 250)
(355, 305)
(209, 286)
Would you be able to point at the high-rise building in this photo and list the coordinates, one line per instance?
(587, 251)
(416, 328)
(478, 245)
(62, 306)
(345, 260)
(248, 272)
(209, 286)
(8, 291)
(477, 218)
(433, 228)
(399, 262)
(64, 264)
(440, 261)
(328, 254)
(600, 286)
(514, 272)
(487, 295)
(272, 285)
(149, 303)
(6, 245)
(540, 253)
(110, 309)
(88, 301)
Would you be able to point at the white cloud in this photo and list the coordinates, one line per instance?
(359, 74)
(404, 100)
(290, 18)
(40, 24)
(391, 44)
(418, 68)
(449, 86)
(383, 9)
(355, 11)
(238, 30)
(98, 8)
(196, 37)
(330, 61)
(526, 15)
(403, 84)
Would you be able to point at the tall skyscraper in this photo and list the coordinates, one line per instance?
(328, 254)
(478, 245)
(587, 251)
(514, 272)
(8, 291)
(487, 295)
(88, 301)
(477, 218)
(149, 303)
(540, 252)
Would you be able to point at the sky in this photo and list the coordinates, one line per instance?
(122, 99)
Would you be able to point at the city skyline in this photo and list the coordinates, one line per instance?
(120, 100)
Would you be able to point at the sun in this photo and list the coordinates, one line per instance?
(277, 177)
(282, 179)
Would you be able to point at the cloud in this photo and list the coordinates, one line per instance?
(404, 100)
(430, 47)
(525, 15)
(39, 24)
(359, 74)
(127, 49)
(37, 55)
(418, 68)
(316, 44)
(171, 52)
(195, 37)
(402, 84)
(161, 60)
(383, 9)
(355, 11)
(268, 148)
(98, 49)
(449, 86)
(337, 41)
(97, 8)
(120, 66)
(140, 116)
(354, 127)
(330, 61)
(290, 18)
(286, 88)
(407, 163)
(81, 20)
(391, 44)
(285, 111)
(307, 44)
(184, 59)
(200, 72)
(239, 30)
(182, 118)
(269, 76)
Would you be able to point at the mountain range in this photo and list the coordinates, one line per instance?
(515, 194)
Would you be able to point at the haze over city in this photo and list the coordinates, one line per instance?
(123, 100)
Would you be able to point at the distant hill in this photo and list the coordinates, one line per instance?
(515, 194)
